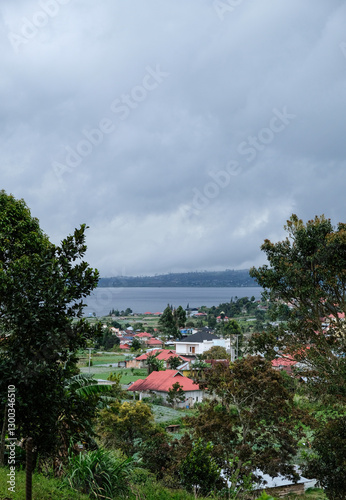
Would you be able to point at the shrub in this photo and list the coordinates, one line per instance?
(99, 473)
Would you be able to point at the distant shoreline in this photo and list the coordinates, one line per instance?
(197, 279)
(178, 286)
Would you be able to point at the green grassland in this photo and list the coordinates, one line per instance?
(51, 489)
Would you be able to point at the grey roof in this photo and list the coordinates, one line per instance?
(199, 337)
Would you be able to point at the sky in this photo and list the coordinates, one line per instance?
(183, 133)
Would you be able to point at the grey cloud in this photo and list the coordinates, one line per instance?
(137, 186)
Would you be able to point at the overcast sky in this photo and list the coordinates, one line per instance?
(183, 132)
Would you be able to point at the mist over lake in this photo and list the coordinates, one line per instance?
(148, 299)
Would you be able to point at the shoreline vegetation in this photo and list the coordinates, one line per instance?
(227, 278)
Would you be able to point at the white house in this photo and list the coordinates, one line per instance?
(200, 342)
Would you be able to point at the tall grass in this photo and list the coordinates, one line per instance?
(100, 474)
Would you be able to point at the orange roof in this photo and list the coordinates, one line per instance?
(154, 342)
(124, 346)
(162, 381)
(143, 334)
(164, 354)
(283, 362)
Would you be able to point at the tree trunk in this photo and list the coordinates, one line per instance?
(2, 441)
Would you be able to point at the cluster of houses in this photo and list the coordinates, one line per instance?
(126, 338)
(186, 351)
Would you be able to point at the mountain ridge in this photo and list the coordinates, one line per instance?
(227, 278)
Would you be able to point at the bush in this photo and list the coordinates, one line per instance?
(100, 474)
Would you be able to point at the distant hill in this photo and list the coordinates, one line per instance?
(226, 278)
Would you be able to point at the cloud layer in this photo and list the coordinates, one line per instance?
(183, 133)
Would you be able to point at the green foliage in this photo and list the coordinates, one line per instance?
(42, 287)
(199, 471)
(153, 363)
(232, 327)
(255, 421)
(175, 394)
(327, 463)
(100, 474)
(136, 345)
(108, 340)
(116, 389)
(215, 352)
(42, 487)
(174, 362)
(168, 325)
(179, 315)
(308, 271)
(123, 425)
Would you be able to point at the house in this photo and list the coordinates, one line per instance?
(200, 342)
(221, 319)
(285, 364)
(154, 343)
(281, 486)
(124, 347)
(160, 382)
(143, 337)
(161, 354)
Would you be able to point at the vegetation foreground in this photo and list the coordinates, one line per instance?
(90, 441)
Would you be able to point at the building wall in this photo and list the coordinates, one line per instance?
(282, 491)
(191, 397)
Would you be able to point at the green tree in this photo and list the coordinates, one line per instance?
(153, 363)
(83, 397)
(174, 362)
(180, 317)
(215, 352)
(199, 471)
(254, 424)
(327, 463)
(123, 425)
(136, 344)
(167, 324)
(175, 394)
(42, 287)
(108, 340)
(211, 321)
(308, 272)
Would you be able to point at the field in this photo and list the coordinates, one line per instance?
(101, 367)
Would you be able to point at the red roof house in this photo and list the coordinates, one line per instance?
(124, 347)
(162, 354)
(160, 382)
(154, 343)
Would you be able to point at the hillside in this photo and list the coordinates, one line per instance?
(228, 278)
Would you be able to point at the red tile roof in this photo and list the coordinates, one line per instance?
(162, 381)
(154, 342)
(164, 354)
(283, 362)
(124, 346)
(143, 334)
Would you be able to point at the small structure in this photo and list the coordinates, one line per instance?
(281, 486)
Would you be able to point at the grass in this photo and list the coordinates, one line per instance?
(42, 487)
(51, 489)
(103, 372)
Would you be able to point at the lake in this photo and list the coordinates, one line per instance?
(150, 299)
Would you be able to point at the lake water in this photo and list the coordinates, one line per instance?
(147, 299)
